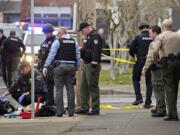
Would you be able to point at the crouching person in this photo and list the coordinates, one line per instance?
(21, 89)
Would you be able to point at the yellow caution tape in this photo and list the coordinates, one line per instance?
(119, 59)
(116, 49)
(117, 107)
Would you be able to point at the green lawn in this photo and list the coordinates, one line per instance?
(105, 78)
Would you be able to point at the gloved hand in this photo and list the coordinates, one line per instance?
(45, 71)
(2, 97)
(21, 99)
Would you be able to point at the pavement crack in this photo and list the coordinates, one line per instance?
(89, 129)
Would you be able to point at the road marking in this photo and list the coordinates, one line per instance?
(118, 107)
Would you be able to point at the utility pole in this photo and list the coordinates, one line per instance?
(86, 11)
(32, 64)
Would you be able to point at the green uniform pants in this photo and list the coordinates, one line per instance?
(171, 77)
(89, 87)
(158, 88)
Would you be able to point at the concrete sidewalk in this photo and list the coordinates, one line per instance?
(110, 122)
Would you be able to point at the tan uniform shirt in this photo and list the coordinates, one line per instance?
(166, 43)
(149, 59)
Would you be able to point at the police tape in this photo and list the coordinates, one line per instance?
(119, 59)
(115, 49)
(118, 107)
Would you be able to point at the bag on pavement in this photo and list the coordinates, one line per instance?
(46, 111)
(6, 107)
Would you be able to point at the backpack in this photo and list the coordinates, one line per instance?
(6, 107)
(46, 111)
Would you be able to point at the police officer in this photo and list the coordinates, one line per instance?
(158, 87)
(42, 56)
(21, 89)
(11, 53)
(167, 45)
(66, 56)
(139, 48)
(91, 55)
(2, 62)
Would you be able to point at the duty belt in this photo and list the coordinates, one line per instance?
(172, 57)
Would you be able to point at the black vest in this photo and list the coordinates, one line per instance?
(67, 50)
(13, 47)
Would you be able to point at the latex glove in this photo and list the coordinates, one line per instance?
(2, 97)
(21, 99)
(45, 71)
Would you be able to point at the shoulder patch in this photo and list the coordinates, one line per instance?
(96, 41)
(39, 77)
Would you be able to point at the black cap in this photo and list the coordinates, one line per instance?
(143, 25)
(23, 64)
(83, 25)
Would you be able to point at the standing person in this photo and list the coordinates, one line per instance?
(91, 55)
(2, 62)
(158, 87)
(105, 46)
(11, 53)
(66, 56)
(42, 56)
(21, 89)
(167, 45)
(139, 48)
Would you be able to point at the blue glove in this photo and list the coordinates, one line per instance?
(21, 99)
(2, 97)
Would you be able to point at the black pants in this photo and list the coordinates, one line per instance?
(137, 69)
(27, 99)
(12, 71)
(50, 87)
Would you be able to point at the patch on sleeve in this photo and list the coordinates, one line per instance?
(39, 77)
(96, 41)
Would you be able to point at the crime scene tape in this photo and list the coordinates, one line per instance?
(115, 49)
(119, 59)
(117, 107)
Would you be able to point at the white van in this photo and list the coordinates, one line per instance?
(7, 27)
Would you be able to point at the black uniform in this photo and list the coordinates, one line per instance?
(91, 51)
(42, 56)
(2, 61)
(11, 53)
(23, 85)
(139, 49)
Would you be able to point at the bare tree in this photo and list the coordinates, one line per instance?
(86, 11)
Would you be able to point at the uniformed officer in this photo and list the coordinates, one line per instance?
(139, 48)
(11, 53)
(66, 56)
(167, 45)
(42, 56)
(21, 89)
(2, 61)
(158, 87)
(91, 55)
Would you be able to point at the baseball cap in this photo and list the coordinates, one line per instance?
(143, 25)
(83, 25)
